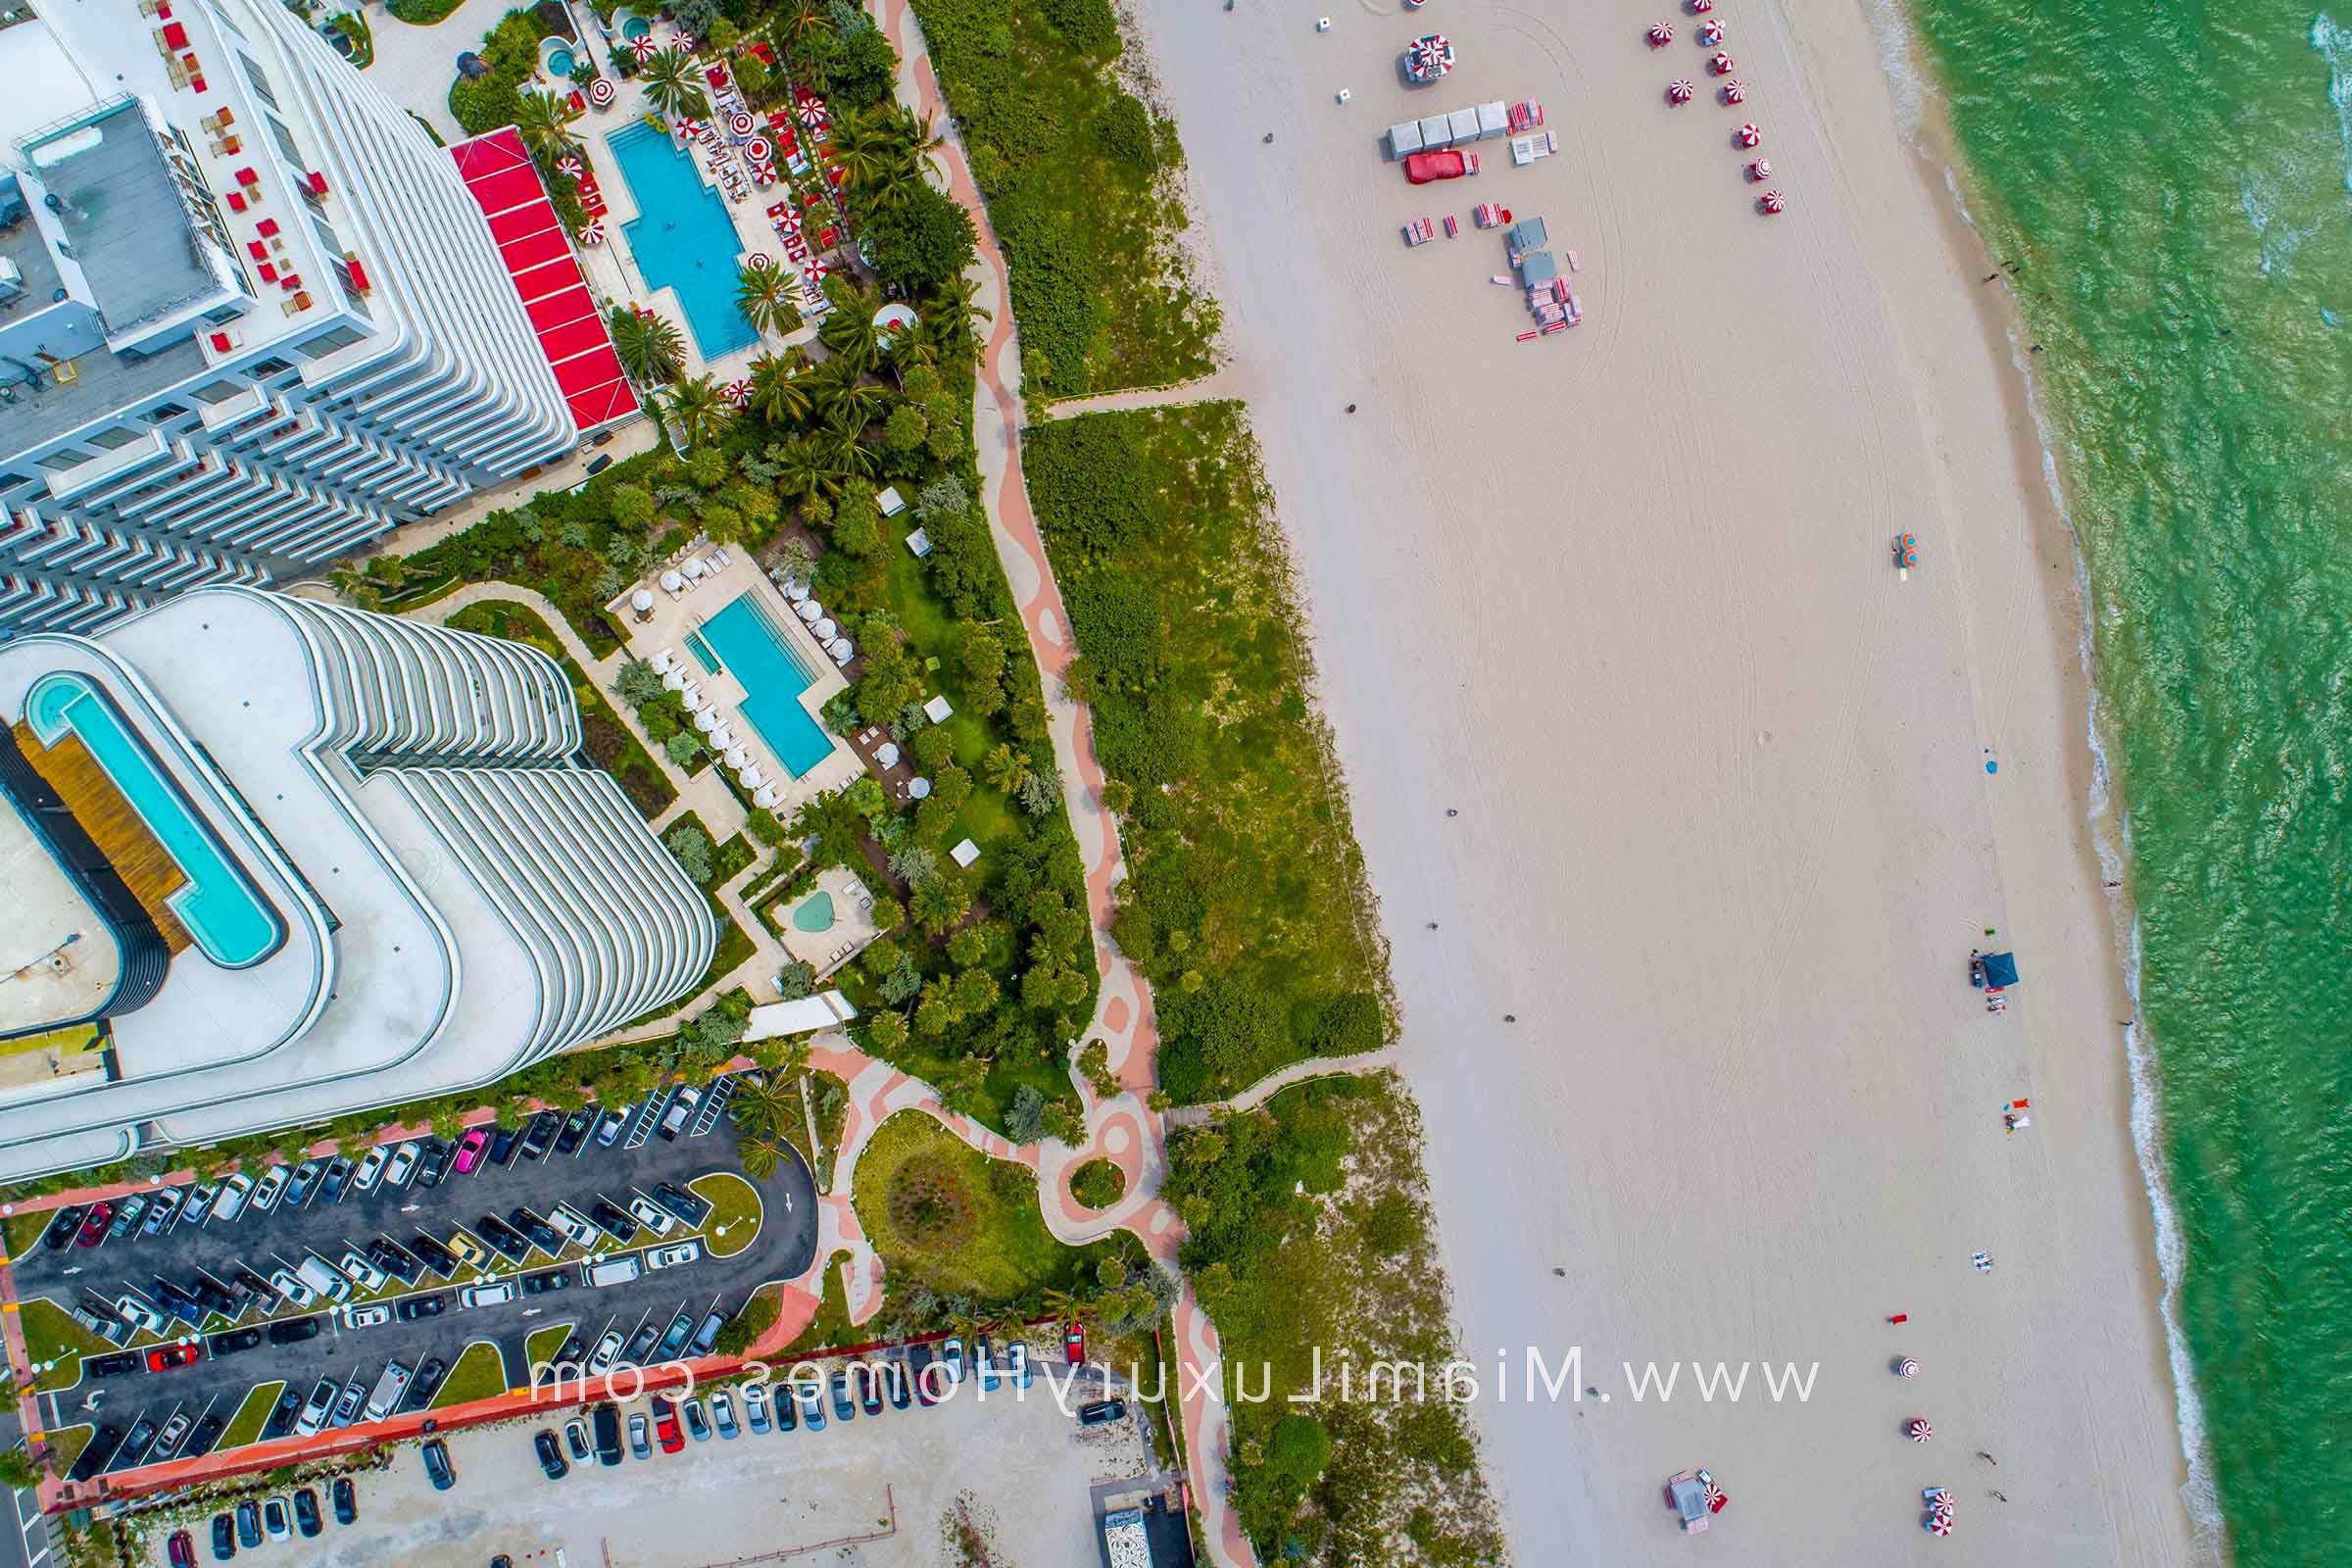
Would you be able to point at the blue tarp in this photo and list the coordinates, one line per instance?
(2000, 969)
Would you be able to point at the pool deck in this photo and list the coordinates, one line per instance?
(669, 625)
(851, 929)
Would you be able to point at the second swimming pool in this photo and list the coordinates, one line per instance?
(682, 237)
(774, 674)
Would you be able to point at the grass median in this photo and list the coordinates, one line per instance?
(480, 1374)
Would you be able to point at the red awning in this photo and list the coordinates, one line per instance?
(359, 276)
(256, 250)
(246, 176)
(318, 183)
(175, 37)
(266, 227)
(505, 183)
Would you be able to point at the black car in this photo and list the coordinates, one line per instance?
(544, 1235)
(428, 1383)
(248, 1523)
(437, 1468)
(433, 1164)
(346, 1500)
(136, 1446)
(895, 1379)
(96, 1453)
(416, 1308)
(282, 1418)
(542, 1133)
(254, 1286)
(606, 1421)
(641, 1343)
(572, 1353)
(919, 1367)
(503, 1141)
(225, 1538)
(305, 1513)
(681, 1202)
(109, 1366)
(394, 1260)
(293, 1331)
(208, 1431)
(554, 1279)
(235, 1340)
(440, 1259)
(613, 1222)
(175, 1302)
(214, 1298)
(575, 1131)
(551, 1456)
(1101, 1413)
(503, 1238)
(61, 1229)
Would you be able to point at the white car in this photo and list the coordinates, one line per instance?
(367, 1317)
(274, 1182)
(293, 1290)
(233, 1197)
(370, 1169)
(498, 1295)
(403, 1163)
(608, 1351)
(652, 1216)
(673, 1255)
(366, 1275)
(146, 1319)
(276, 1517)
(576, 1229)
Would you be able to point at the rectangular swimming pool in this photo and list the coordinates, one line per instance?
(773, 674)
(682, 237)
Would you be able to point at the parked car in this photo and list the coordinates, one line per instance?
(282, 1417)
(754, 1408)
(159, 1213)
(681, 1202)
(235, 1340)
(679, 1113)
(336, 1181)
(181, 1549)
(199, 1205)
(437, 1468)
(139, 1315)
(787, 1403)
(1073, 1344)
(540, 1284)
(608, 1433)
(416, 1308)
(175, 1433)
(369, 1169)
(575, 1228)
(812, 1405)
(894, 1382)
(1420, 169)
(865, 1378)
(656, 1219)
(673, 1255)
(575, 1439)
(681, 1329)
(318, 1408)
(97, 1453)
(551, 1455)
(248, 1523)
(95, 1221)
(641, 1343)
(640, 1437)
(697, 1424)
(367, 1317)
(433, 1256)
(722, 1415)
(471, 1149)
(403, 1163)
(543, 1236)
(429, 1378)
(612, 1221)
(208, 1431)
(503, 1238)
(984, 1359)
(225, 1538)
(62, 1227)
(395, 1259)
(353, 1399)
(306, 1177)
(366, 1275)
(845, 1407)
(706, 1337)
(951, 1356)
(930, 1376)
(1102, 1412)
(97, 1367)
(540, 1135)
(575, 1131)
(270, 1188)
(234, 1193)
(433, 1164)
(609, 1126)
(127, 1217)
(471, 1252)
(505, 1144)
(666, 1426)
(293, 1331)
(134, 1448)
(278, 1520)
(498, 1295)
(345, 1499)
(1017, 1363)
(164, 1357)
(305, 1513)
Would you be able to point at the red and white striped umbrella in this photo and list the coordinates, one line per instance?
(1661, 34)
(788, 221)
(812, 112)
(643, 47)
(1939, 1524)
(592, 233)
(741, 122)
(1751, 134)
(1908, 1369)
(758, 151)
(1774, 202)
(1942, 1507)
(1710, 31)
(568, 166)
(1721, 64)
(1703, 6)
(685, 41)
(1734, 92)
(1918, 1428)
(739, 393)
(758, 260)
(1680, 91)
(602, 92)
(816, 270)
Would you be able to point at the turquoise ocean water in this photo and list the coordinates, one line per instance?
(2176, 181)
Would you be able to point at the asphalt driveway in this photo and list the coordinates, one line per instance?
(217, 1383)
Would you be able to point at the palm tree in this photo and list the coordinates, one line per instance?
(764, 297)
(672, 86)
(764, 1109)
(850, 457)
(862, 147)
(365, 585)
(545, 121)
(759, 1157)
(794, 23)
(849, 410)
(807, 471)
(649, 345)
(780, 389)
(907, 350)
(914, 140)
(698, 408)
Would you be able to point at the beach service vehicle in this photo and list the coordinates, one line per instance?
(1451, 163)
(1687, 1494)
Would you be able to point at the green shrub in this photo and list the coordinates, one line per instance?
(1123, 132)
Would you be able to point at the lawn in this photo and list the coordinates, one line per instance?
(544, 1342)
(65, 1443)
(479, 1375)
(831, 1325)
(252, 1415)
(734, 1208)
(1098, 1184)
(1082, 190)
(51, 1335)
(944, 1215)
(1247, 907)
(24, 1231)
(612, 744)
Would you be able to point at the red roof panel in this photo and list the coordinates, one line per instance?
(556, 309)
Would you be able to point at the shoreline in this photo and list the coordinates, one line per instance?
(1376, 543)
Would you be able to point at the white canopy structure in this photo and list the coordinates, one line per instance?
(919, 788)
(725, 736)
(693, 699)
(665, 661)
(694, 568)
(795, 589)
(641, 601)
(808, 609)
(674, 680)
(841, 647)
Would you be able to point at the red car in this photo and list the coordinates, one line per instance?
(164, 1357)
(183, 1549)
(1422, 168)
(94, 1224)
(666, 1426)
(1073, 1344)
(469, 1149)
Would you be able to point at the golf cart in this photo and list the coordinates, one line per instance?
(1992, 973)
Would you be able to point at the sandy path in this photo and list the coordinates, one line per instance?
(1622, 599)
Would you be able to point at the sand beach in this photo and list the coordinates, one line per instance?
(1622, 599)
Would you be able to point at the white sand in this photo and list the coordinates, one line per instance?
(1624, 598)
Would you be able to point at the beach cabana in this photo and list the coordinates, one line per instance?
(1493, 120)
(1538, 267)
(1463, 125)
(1437, 131)
(1405, 139)
(1526, 235)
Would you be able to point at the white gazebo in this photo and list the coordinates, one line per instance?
(938, 710)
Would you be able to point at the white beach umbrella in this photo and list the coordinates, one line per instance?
(693, 567)
(808, 609)
(919, 788)
(737, 757)
(842, 648)
(641, 601)
(671, 582)
(724, 735)
(750, 778)
(795, 589)
(707, 719)
(887, 753)
(824, 628)
(695, 701)
(665, 661)
(674, 680)
(767, 795)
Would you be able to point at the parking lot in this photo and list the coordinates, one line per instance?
(872, 1491)
(184, 1410)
